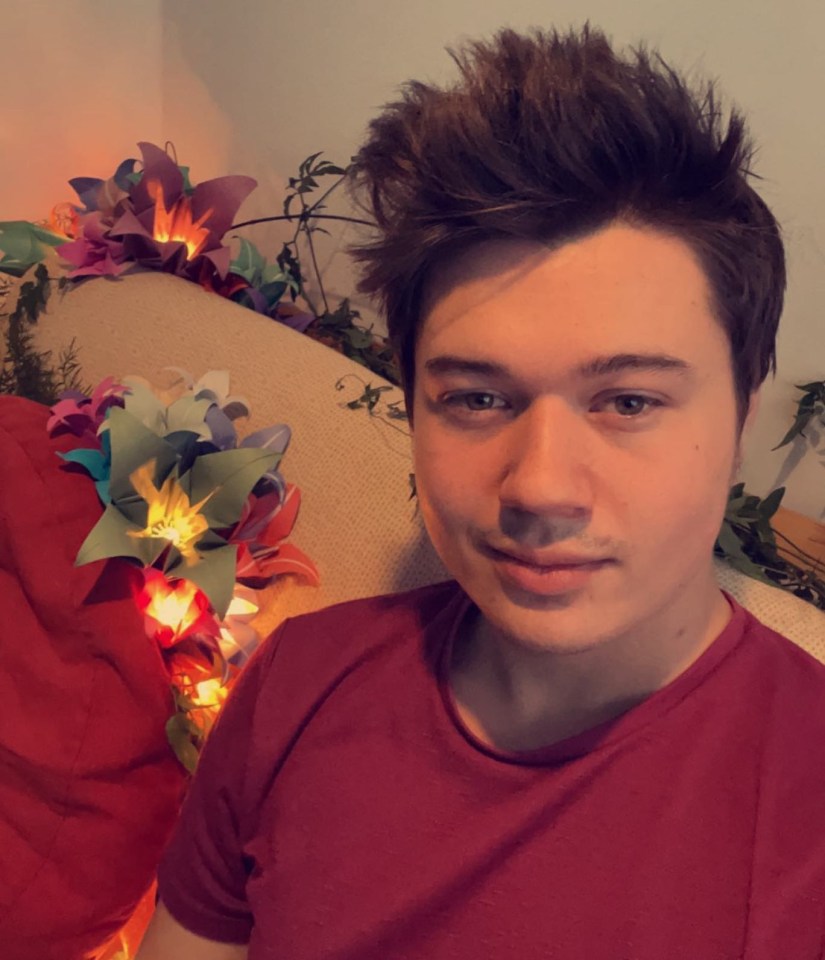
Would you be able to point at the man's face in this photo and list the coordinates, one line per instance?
(575, 434)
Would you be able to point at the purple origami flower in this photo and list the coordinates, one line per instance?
(76, 413)
(105, 196)
(166, 228)
(95, 252)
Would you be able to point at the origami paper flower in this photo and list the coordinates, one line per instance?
(169, 229)
(238, 637)
(95, 252)
(210, 694)
(263, 553)
(174, 609)
(171, 516)
(202, 515)
(166, 412)
(64, 219)
(97, 463)
(266, 283)
(82, 415)
(22, 244)
(105, 196)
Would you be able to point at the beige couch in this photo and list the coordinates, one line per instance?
(357, 521)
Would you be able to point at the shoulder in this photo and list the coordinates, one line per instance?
(332, 663)
(309, 656)
(782, 688)
(784, 664)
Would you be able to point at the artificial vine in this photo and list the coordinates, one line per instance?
(750, 544)
(339, 327)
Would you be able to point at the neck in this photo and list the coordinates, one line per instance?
(519, 698)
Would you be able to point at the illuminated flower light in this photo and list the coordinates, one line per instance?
(238, 638)
(201, 653)
(171, 517)
(173, 609)
(177, 224)
(210, 693)
(171, 228)
(63, 219)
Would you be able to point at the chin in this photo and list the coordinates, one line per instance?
(566, 623)
(563, 630)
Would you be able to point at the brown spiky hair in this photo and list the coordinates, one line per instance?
(548, 137)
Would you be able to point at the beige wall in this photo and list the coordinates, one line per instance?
(81, 82)
(253, 86)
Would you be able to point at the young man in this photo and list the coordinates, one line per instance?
(583, 749)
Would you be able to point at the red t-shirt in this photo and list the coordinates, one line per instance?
(342, 810)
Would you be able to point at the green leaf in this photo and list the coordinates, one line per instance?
(802, 420)
(24, 244)
(750, 569)
(134, 445)
(214, 573)
(249, 263)
(771, 503)
(110, 538)
(764, 531)
(274, 273)
(188, 415)
(188, 189)
(325, 168)
(177, 733)
(273, 292)
(307, 164)
(359, 339)
(730, 544)
(731, 547)
(229, 477)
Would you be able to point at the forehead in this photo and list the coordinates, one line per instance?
(623, 289)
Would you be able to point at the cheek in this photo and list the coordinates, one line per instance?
(439, 478)
(453, 483)
(683, 498)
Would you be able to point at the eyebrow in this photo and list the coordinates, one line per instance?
(597, 367)
(600, 366)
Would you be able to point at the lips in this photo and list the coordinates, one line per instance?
(545, 574)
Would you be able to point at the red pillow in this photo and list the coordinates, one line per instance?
(89, 788)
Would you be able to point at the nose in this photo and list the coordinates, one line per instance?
(546, 486)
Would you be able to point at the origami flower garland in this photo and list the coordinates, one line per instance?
(202, 515)
(148, 214)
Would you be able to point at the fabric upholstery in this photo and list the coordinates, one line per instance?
(89, 787)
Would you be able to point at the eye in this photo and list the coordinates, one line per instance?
(475, 401)
(632, 405)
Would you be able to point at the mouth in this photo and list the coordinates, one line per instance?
(545, 574)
